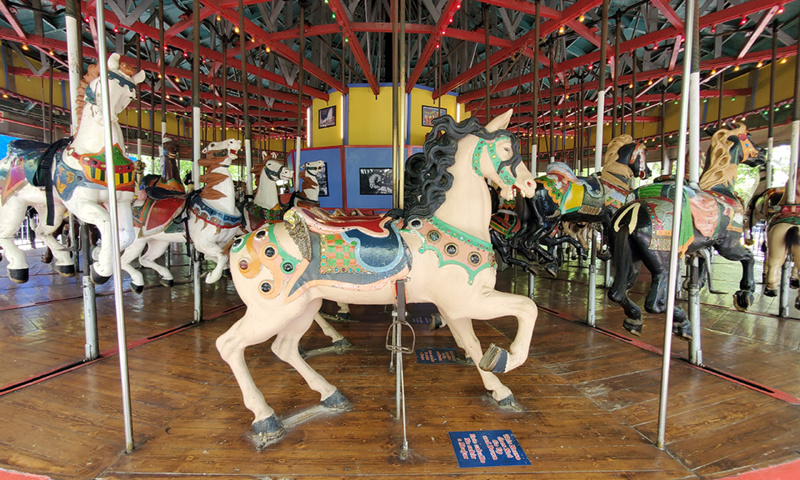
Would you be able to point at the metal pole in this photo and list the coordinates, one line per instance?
(791, 185)
(676, 215)
(535, 90)
(196, 151)
(771, 111)
(591, 316)
(248, 155)
(224, 134)
(486, 51)
(398, 100)
(552, 147)
(633, 95)
(301, 50)
(74, 58)
(615, 73)
(695, 348)
(91, 348)
(694, 106)
(666, 168)
(401, 81)
(112, 211)
(163, 57)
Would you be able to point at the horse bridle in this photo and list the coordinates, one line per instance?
(91, 97)
(274, 176)
(490, 145)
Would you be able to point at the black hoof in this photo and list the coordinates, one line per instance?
(633, 326)
(227, 273)
(742, 300)
(770, 292)
(47, 257)
(436, 322)
(343, 317)
(337, 401)
(342, 345)
(136, 288)
(167, 283)
(494, 360)
(797, 303)
(98, 279)
(683, 330)
(794, 283)
(508, 401)
(18, 275)
(552, 270)
(66, 270)
(268, 430)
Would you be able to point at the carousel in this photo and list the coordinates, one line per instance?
(250, 239)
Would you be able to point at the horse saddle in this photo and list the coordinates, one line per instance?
(320, 221)
(156, 216)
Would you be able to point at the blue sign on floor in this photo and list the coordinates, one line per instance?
(419, 320)
(436, 355)
(487, 448)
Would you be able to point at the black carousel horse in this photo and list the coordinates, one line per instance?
(561, 196)
(713, 216)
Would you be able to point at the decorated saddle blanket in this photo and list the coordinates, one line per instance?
(92, 173)
(156, 216)
(205, 212)
(506, 224)
(350, 259)
(788, 214)
(321, 222)
(258, 216)
(575, 195)
(21, 165)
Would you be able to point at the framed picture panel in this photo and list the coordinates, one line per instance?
(375, 181)
(431, 113)
(327, 117)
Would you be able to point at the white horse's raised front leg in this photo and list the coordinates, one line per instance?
(12, 215)
(130, 254)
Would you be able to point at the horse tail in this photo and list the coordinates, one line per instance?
(619, 239)
(792, 238)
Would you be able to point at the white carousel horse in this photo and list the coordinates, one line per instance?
(283, 278)
(783, 238)
(213, 220)
(266, 206)
(78, 177)
(309, 184)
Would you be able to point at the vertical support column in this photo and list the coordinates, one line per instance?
(666, 168)
(615, 73)
(301, 49)
(791, 185)
(695, 349)
(398, 99)
(113, 213)
(633, 96)
(535, 90)
(91, 349)
(552, 147)
(771, 111)
(224, 134)
(487, 49)
(248, 154)
(591, 315)
(163, 57)
(196, 264)
(676, 215)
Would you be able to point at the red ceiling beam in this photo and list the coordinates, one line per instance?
(666, 10)
(355, 46)
(12, 19)
(277, 47)
(186, 23)
(433, 42)
(762, 24)
(577, 9)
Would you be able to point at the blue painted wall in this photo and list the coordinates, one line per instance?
(333, 163)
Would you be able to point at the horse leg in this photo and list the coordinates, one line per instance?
(286, 348)
(249, 330)
(344, 311)
(155, 250)
(464, 335)
(64, 265)
(13, 212)
(97, 215)
(734, 251)
(130, 254)
(337, 338)
(214, 252)
(776, 255)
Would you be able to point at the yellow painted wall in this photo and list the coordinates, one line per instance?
(370, 116)
(326, 137)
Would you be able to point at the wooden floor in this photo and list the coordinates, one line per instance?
(588, 401)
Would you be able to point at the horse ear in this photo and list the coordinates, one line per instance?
(113, 62)
(499, 122)
(139, 77)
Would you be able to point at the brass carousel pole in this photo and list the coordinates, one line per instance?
(301, 50)
(535, 89)
(196, 151)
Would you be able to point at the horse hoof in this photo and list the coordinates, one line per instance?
(18, 275)
(268, 430)
(342, 345)
(167, 283)
(227, 273)
(797, 303)
(494, 360)
(683, 330)
(437, 321)
(742, 300)
(508, 401)
(66, 270)
(343, 317)
(336, 401)
(47, 257)
(770, 292)
(552, 270)
(98, 279)
(634, 327)
(794, 283)
(136, 288)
